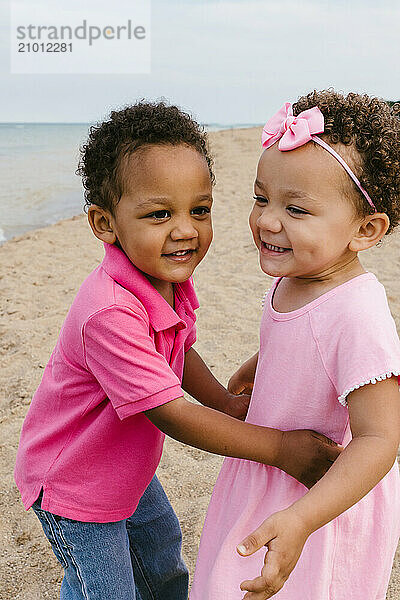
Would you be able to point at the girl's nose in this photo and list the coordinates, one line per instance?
(184, 230)
(269, 221)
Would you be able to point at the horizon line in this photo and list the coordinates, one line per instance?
(242, 124)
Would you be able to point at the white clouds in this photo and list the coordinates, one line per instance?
(233, 61)
(276, 51)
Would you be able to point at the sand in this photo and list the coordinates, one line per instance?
(40, 273)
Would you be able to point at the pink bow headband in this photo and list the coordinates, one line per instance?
(293, 132)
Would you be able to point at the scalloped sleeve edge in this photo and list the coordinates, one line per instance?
(343, 397)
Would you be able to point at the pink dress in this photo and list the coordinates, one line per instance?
(310, 360)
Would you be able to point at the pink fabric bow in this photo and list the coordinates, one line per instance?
(290, 130)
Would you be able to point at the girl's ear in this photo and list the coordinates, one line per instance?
(101, 222)
(371, 230)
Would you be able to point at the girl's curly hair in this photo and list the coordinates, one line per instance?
(112, 141)
(372, 128)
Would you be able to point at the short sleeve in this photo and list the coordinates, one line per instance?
(121, 355)
(359, 345)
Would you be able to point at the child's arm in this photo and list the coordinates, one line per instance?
(243, 379)
(200, 383)
(303, 454)
(374, 412)
(306, 455)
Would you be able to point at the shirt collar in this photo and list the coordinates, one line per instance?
(162, 316)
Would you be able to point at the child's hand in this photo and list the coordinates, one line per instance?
(237, 405)
(242, 381)
(306, 455)
(284, 534)
(239, 384)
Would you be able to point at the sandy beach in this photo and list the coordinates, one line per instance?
(40, 273)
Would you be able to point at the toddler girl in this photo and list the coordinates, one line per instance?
(92, 439)
(327, 187)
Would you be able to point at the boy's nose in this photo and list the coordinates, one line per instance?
(184, 230)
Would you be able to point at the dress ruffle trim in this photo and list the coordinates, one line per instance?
(263, 299)
(343, 398)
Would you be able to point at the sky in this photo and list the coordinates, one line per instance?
(228, 62)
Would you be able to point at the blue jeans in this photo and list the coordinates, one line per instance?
(138, 558)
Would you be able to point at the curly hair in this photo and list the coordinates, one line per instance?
(371, 130)
(111, 142)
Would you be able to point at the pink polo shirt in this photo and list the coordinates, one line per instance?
(85, 439)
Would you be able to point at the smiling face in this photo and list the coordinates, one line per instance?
(301, 221)
(163, 219)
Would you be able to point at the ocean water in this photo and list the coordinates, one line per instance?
(37, 174)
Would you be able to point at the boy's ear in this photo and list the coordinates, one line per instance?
(371, 230)
(101, 222)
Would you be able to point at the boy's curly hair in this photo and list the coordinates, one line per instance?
(112, 141)
(371, 127)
